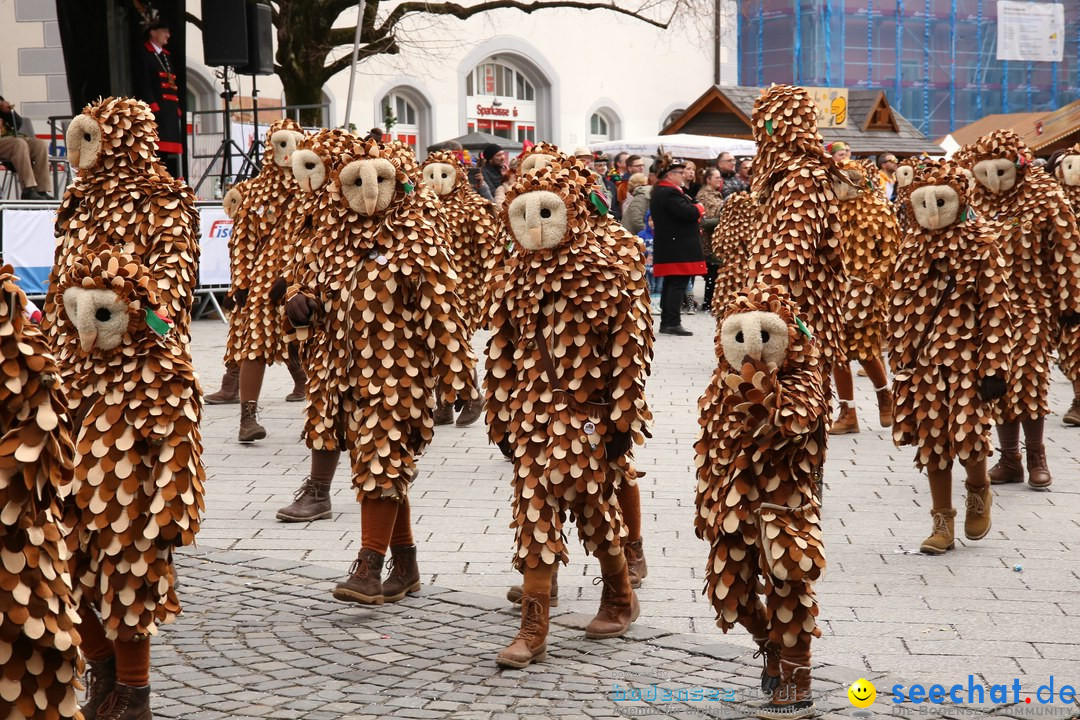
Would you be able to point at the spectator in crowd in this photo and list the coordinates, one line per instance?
(678, 255)
(601, 168)
(725, 163)
(693, 185)
(887, 177)
(740, 181)
(493, 166)
(840, 151)
(154, 82)
(585, 155)
(619, 171)
(710, 197)
(637, 203)
(655, 284)
(375, 134)
(509, 178)
(634, 164)
(29, 155)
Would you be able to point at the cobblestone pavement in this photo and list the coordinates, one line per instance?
(1005, 607)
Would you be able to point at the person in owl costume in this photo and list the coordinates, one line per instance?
(759, 455)
(731, 243)
(1067, 172)
(566, 367)
(229, 392)
(950, 345)
(38, 637)
(869, 236)
(258, 249)
(123, 200)
(475, 244)
(905, 174)
(138, 485)
(1037, 234)
(376, 310)
(797, 243)
(317, 157)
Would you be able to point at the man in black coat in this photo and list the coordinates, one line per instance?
(155, 84)
(677, 252)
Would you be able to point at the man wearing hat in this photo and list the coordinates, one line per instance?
(493, 167)
(677, 251)
(29, 155)
(155, 83)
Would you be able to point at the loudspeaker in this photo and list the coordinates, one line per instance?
(260, 38)
(225, 38)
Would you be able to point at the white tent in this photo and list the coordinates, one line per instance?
(950, 146)
(679, 145)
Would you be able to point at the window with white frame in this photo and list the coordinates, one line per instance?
(500, 99)
(404, 119)
(599, 128)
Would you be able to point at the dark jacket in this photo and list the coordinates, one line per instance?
(155, 84)
(675, 229)
(492, 177)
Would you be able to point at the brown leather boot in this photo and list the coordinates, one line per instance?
(1072, 417)
(250, 429)
(126, 703)
(299, 378)
(516, 591)
(943, 537)
(229, 394)
(792, 699)
(1038, 473)
(618, 607)
(100, 681)
(977, 517)
(770, 673)
(635, 563)
(884, 406)
(472, 412)
(847, 422)
(404, 574)
(1008, 469)
(311, 502)
(364, 584)
(444, 413)
(530, 645)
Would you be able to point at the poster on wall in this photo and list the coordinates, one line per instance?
(832, 104)
(29, 245)
(1030, 32)
(214, 246)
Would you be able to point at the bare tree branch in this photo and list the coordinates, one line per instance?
(197, 22)
(463, 13)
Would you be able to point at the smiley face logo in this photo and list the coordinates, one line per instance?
(862, 693)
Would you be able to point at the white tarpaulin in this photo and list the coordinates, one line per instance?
(679, 145)
(1030, 31)
(29, 245)
(214, 257)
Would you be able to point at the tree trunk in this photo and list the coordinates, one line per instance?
(303, 31)
(303, 89)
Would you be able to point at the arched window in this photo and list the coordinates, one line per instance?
(672, 117)
(599, 128)
(500, 100)
(402, 118)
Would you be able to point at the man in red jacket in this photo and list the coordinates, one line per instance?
(677, 255)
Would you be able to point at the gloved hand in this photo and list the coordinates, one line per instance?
(240, 295)
(619, 445)
(300, 309)
(504, 447)
(277, 290)
(1070, 320)
(991, 388)
(227, 303)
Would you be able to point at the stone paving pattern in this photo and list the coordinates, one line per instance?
(1005, 607)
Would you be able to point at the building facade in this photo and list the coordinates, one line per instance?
(936, 59)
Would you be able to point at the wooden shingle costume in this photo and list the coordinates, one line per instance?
(950, 344)
(1037, 233)
(38, 636)
(124, 201)
(259, 250)
(869, 237)
(376, 310)
(138, 484)
(1067, 173)
(475, 242)
(564, 387)
(731, 243)
(797, 245)
(759, 455)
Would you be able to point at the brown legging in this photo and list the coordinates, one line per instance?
(845, 384)
(630, 502)
(385, 521)
(132, 656)
(251, 379)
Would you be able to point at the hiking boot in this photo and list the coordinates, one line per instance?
(364, 584)
(618, 607)
(1008, 469)
(311, 502)
(250, 430)
(444, 413)
(516, 591)
(100, 681)
(792, 698)
(884, 406)
(299, 378)
(943, 537)
(635, 563)
(472, 412)
(530, 644)
(847, 422)
(1038, 474)
(229, 394)
(1073, 416)
(770, 673)
(977, 517)
(126, 703)
(404, 574)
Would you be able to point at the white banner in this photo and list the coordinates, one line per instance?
(1029, 31)
(29, 245)
(214, 260)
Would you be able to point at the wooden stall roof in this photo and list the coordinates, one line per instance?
(1044, 132)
